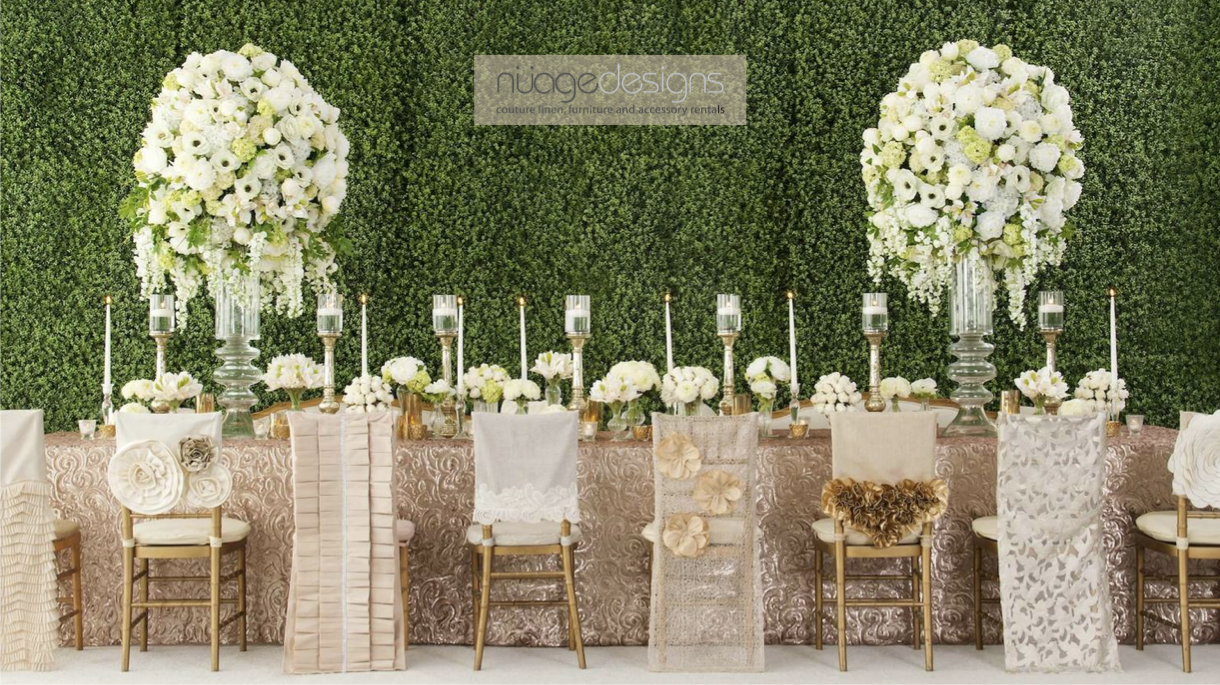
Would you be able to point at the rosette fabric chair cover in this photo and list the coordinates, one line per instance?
(706, 612)
(31, 538)
(1054, 585)
(163, 460)
(525, 503)
(1183, 534)
(345, 605)
(872, 454)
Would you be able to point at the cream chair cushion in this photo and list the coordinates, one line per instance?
(182, 532)
(825, 530)
(723, 531)
(404, 530)
(510, 534)
(65, 528)
(1163, 526)
(987, 527)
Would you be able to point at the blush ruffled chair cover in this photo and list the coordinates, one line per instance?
(29, 616)
(345, 608)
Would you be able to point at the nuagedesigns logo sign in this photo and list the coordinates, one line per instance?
(609, 90)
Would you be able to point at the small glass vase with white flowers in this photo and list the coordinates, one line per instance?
(554, 367)
(294, 374)
(764, 376)
(895, 388)
(685, 388)
(835, 392)
(645, 378)
(924, 390)
(518, 393)
(616, 391)
(1046, 388)
(484, 385)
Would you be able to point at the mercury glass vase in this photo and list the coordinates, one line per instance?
(237, 324)
(971, 304)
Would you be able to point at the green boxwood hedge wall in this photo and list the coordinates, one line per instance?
(438, 204)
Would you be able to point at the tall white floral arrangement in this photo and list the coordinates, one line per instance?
(242, 171)
(975, 153)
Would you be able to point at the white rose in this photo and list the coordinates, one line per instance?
(949, 50)
(1030, 131)
(959, 175)
(153, 159)
(272, 136)
(990, 122)
(982, 58)
(953, 192)
(1054, 96)
(920, 215)
(967, 99)
(1071, 193)
(1044, 156)
(990, 225)
(1005, 152)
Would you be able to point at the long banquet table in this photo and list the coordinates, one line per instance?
(616, 482)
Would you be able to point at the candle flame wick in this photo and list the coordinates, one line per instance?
(107, 300)
(364, 298)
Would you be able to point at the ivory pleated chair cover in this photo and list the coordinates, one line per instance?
(345, 603)
(525, 468)
(29, 614)
(1054, 585)
(706, 583)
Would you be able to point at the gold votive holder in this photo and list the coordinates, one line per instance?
(106, 430)
(797, 430)
(641, 432)
(741, 403)
(1112, 428)
(1010, 402)
(417, 432)
(205, 404)
(279, 426)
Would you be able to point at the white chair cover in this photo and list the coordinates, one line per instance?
(345, 610)
(29, 615)
(1195, 462)
(146, 475)
(706, 592)
(883, 448)
(1054, 586)
(525, 468)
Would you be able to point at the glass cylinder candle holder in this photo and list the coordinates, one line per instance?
(728, 313)
(875, 314)
(237, 313)
(444, 314)
(160, 314)
(1050, 310)
(577, 317)
(330, 314)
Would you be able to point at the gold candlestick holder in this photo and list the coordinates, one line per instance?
(328, 404)
(162, 340)
(448, 408)
(1049, 335)
(578, 370)
(875, 402)
(727, 404)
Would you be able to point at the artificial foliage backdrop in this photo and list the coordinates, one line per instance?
(437, 204)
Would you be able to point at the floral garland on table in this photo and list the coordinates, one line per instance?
(517, 393)
(764, 376)
(835, 392)
(1042, 385)
(687, 384)
(485, 382)
(1097, 388)
(242, 170)
(974, 154)
(367, 394)
(294, 374)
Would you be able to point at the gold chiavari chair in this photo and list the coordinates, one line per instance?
(1173, 534)
(67, 537)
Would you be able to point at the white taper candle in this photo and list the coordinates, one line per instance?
(106, 369)
(364, 334)
(524, 363)
(1113, 293)
(669, 337)
(792, 338)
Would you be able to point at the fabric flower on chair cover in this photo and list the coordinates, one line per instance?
(717, 492)
(686, 535)
(1195, 462)
(678, 458)
(196, 452)
(210, 487)
(145, 477)
(886, 513)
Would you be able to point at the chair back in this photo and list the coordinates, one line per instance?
(162, 459)
(1195, 462)
(525, 467)
(883, 447)
(166, 428)
(22, 453)
(1185, 417)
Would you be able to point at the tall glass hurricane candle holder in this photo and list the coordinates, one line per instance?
(1050, 321)
(875, 319)
(577, 316)
(445, 325)
(237, 324)
(444, 314)
(330, 327)
(578, 326)
(728, 327)
(971, 303)
(161, 325)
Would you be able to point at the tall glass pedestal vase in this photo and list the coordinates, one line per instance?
(237, 323)
(972, 302)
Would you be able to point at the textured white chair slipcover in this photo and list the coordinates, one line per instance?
(29, 616)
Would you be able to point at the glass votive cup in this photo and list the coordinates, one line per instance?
(577, 315)
(262, 428)
(1135, 423)
(88, 428)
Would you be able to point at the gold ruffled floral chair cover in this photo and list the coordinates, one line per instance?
(706, 583)
(345, 610)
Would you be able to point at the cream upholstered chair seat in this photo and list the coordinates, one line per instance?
(1163, 526)
(722, 531)
(824, 528)
(64, 528)
(181, 532)
(404, 530)
(518, 534)
(987, 527)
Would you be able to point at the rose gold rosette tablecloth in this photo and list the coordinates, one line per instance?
(616, 483)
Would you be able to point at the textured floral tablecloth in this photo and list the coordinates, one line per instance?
(437, 491)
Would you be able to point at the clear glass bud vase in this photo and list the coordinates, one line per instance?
(971, 304)
(554, 391)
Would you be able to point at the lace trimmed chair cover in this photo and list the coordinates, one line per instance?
(523, 479)
(29, 617)
(345, 609)
(1054, 585)
(706, 590)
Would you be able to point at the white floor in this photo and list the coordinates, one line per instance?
(448, 664)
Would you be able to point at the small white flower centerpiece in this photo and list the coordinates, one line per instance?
(484, 384)
(554, 367)
(1099, 389)
(615, 391)
(518, 393)
(686, 387)
(895, 388)
(294, 374)
(644, 376)
(924, 390)
(1043, 387)
(367, 394)
(764, 376)
(835, 392)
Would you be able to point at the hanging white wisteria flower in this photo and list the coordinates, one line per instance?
(975, 153)
(1098, 389)
(835, 392)
(366, 394)
(242, 170)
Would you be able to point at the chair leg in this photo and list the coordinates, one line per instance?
(484, 605)
(926, 576)
(1184, 601)
(144, 599)
(1139, 597)
(78, 601)
(569, 581)
(125, 628)
(915, 614)
(817, 599)
(475, 571)
(241, 598)
(978, 597)
(404, 566)
(214, 582)
(841, 595)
